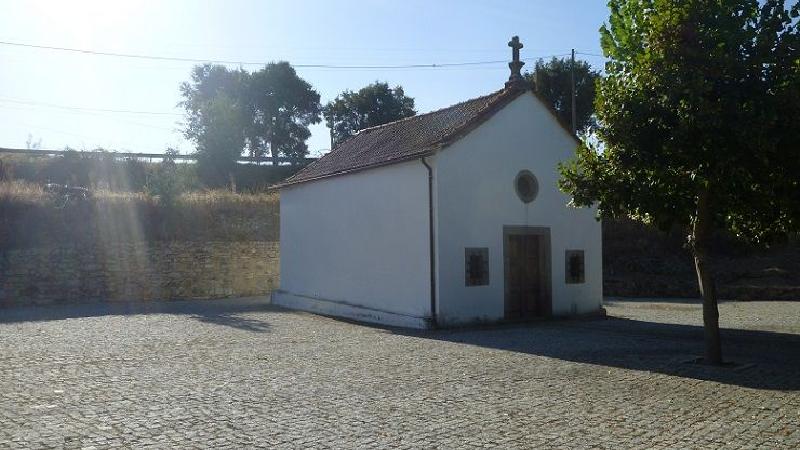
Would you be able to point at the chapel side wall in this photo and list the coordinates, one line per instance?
(476, 199)
(360, 239)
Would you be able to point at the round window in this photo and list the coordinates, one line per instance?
(526, 186)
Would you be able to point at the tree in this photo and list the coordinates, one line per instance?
(30, 144)
(221, 141)
(164, 181)
(371, 106)
(209, 81)
(275, 106)
(696, 117)
(282, 106)
(553, 81)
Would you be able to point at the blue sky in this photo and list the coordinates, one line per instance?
(34, 81)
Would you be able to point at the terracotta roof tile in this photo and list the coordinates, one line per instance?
(404, 139)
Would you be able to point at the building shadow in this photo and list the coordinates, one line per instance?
(235, 321)
(223, 312)
(759, 359)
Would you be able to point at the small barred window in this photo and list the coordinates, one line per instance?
(575, 269)
(476, 266)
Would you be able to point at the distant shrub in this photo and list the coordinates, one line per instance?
(164, 181)
(257, 178)
(133, 171)
(109, 172)
(72, 168)
(5, 171)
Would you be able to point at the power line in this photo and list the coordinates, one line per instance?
(92, 113)
(591, 54)
(78, 108)
(261, 63)
(84, 137)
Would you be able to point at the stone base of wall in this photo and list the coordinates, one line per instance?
(138, 271)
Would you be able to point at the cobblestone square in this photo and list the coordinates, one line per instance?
(242, 373)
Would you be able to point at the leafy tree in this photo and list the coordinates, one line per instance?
(165, 181)
(274, 106)
(30, 144)
(371, 106)
(696, 117)
(282, 106)
(553, 81)
(208, 81)
(221, 141)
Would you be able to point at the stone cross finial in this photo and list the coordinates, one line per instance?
(515, 80)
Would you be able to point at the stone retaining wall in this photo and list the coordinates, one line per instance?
(137, 271)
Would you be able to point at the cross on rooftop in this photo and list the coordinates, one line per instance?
(515, 44)
(515, 80)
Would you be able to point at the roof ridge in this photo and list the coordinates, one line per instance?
(435, 111)
(397, 141)
(500, 96)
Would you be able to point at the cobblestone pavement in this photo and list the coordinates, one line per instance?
(243, 374)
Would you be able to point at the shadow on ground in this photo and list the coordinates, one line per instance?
(224, 312)
(761, 359)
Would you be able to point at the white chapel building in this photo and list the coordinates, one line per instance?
(447, 218)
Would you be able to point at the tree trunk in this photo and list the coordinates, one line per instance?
(272, 149)
(701, 233)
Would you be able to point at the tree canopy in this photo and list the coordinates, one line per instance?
(221, 141)
(553, 81)
(273, 107)
(697, 117)
(373, 105)
(282, 106)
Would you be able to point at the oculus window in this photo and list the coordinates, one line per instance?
(526, 186)
(476, 266)
(575, 269)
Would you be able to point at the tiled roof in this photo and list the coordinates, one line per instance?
(405, 139)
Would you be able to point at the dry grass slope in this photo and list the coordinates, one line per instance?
(30, 217)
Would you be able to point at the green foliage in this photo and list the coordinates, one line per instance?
(6, 173)
(207, 83)
(269, 110)
(165, 182)
(130, 175)
(553, 81)
(695, 117)
(255, 178)
(700, 98)
(93, 171)
(220, 142)
(72, 168)
(371, 106)
(282, 106)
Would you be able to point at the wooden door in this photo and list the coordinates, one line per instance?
(526, 293)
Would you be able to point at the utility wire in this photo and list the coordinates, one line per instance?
(91, 113)
(218, 61)
(77, 108)
(260, 63)
(590, 54)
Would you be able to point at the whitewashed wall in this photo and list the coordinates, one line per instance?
(475, 198)
(357, 245)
